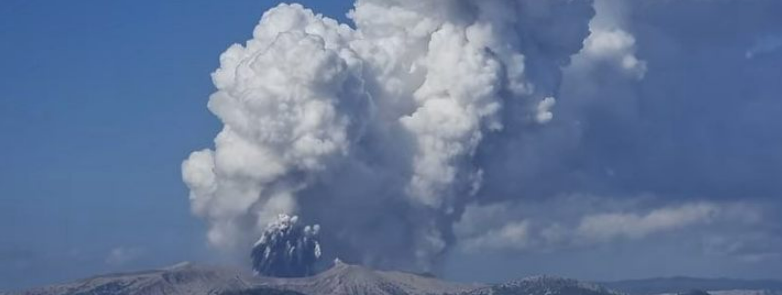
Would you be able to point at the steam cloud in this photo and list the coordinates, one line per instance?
(374, 131)
(287, 249)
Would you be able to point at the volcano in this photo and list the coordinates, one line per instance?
(347, 279)
(188, 278)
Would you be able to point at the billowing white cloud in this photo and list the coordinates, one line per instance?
(614, 46)
(610, 42)
(544, 114)
(283, 99)
(431, 123)
(402, 101)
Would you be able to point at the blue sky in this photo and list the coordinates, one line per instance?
(102, 101)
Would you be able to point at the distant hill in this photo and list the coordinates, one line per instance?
(184, 278)
(684, 284)
(543, 285)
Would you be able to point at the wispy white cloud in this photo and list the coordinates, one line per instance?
(512, 236)
(607, 226)
(122, 255)
(767, 44)
(507, 227)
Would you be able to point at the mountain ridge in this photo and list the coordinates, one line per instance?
(674, 284)
(189, 278)
(348, 279)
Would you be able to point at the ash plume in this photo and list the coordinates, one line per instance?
(373, 131)
(287, 249)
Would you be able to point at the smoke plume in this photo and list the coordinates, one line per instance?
(287, 249)
(374, 131)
